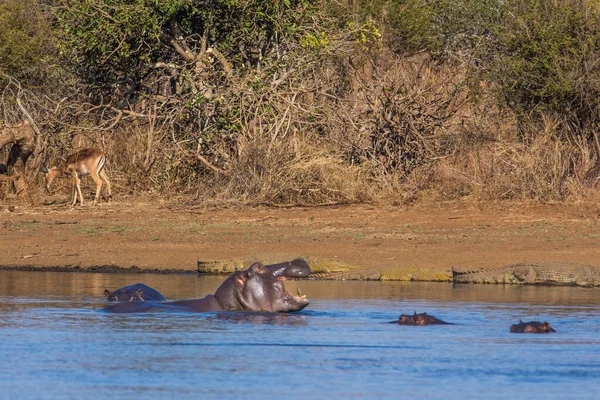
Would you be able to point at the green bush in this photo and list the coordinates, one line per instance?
(110, 43)
(409, 24)
(405, 26)
(440, 27)
(26, 41)
(546, 56)
(463, 29)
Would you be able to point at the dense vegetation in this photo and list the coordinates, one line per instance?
(309, 101)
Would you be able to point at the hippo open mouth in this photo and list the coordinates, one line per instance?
(300, 295)
(258, 288)
(290, 302)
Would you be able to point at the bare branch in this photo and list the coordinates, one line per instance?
(186, 54)
(199, 157)
(224, 63)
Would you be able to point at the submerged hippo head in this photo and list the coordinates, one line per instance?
(257, 289)
(531, 327)
(420, 319)
(124, 295)
(136, 292)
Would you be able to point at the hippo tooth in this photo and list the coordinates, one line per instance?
(299, 292)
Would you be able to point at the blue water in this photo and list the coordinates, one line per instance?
(55, 342)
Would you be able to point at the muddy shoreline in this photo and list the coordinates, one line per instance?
(355, 242)
(357, 274)
(96, 269)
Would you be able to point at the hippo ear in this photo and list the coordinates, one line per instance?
(106, 293)
(257, 267)
(137, 295)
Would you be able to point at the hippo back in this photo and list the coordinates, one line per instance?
(132, 293)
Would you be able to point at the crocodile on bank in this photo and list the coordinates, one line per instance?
(551, 273)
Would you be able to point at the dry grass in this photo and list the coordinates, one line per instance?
(295, 171)
(545, 168)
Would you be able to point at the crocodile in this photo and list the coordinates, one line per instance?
(550, 273)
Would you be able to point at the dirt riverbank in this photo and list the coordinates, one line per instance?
(421, 242)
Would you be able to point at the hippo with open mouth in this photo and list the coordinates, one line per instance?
(258, 288)
(297, 268)
(420, 319)
(531, 327)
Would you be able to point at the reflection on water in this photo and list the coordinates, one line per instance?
(56, 343)
(175, 287)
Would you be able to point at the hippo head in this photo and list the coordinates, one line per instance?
(539, 328)
(258, 289)
(407, 320)
(297, 268)
(123, 296)
(531, 327)
(420, 319)
(136, 292)
(416, 319)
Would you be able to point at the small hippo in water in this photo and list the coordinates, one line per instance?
(420, 319)
(136, 292)
(531, 327)
(255, 289)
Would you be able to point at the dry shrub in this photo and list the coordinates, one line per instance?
(294, 171)
(128, 164)
(544, 168)
(403, 122)
(392, 120)
(418, 103)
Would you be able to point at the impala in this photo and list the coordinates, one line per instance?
(83, 162)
